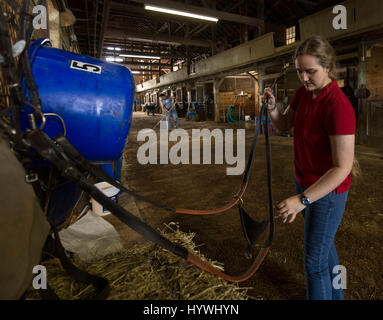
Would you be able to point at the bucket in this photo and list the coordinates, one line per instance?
(93, 97)
(110, 191)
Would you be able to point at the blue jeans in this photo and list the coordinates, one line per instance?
(322, 219)
(173, 114)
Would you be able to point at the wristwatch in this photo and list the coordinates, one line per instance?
(305, 201)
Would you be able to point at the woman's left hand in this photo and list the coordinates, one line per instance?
(289, 208)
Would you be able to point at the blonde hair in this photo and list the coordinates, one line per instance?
(320, 48)
(356, 171)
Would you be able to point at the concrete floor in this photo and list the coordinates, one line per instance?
(207, 186)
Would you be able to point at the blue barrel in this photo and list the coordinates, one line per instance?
(93, 97)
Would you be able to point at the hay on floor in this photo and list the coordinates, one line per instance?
(146, 272)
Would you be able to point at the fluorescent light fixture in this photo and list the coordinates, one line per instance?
(114, 59)
(136, 72)
(154, 41)
(113, 48)
(138, 56)
(181, 13)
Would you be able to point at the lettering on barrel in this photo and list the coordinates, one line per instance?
(85, 66)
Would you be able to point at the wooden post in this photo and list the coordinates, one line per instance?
(54, 25)
(217, 111)
(188, 60)
(362, 125)
(261, 71)
(261, 15)
(244, 30)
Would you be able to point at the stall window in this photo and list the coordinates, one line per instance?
(290, 35)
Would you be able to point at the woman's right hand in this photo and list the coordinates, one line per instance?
(269, 97)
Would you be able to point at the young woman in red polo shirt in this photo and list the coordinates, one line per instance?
(324, 128)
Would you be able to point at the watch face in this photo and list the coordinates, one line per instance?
(305, 200)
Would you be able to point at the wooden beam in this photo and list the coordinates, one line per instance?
(310, 3)
(140, 53)
(271, 76)
(148, 47)
(261, 15)
(201, 28)
(131, 34)
(136, 63)
(95, 30)
(143, 71)
(104, 23)
(181, 26)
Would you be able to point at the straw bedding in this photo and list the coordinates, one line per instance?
(145, 272)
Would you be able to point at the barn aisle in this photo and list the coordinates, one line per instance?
(207, 186)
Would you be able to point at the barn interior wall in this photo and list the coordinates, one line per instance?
(232, 86)
(375, 73)
(374, 104)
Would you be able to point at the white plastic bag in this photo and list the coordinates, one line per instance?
(91, 237)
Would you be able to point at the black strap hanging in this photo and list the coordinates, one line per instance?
(252, 229)
(56, 249)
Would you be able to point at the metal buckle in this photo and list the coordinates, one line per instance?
(240, 199)
(31, 177)
(14, 85)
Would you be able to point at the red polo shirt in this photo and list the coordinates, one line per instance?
(330, 113)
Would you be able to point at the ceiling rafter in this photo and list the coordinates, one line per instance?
(127, 18)
(132, 34)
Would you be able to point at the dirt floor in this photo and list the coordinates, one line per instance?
(281, 275)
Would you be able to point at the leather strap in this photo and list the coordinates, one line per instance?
(101, 284)
(73, 154)
(97, 172)
(40, 141)
(192, 258)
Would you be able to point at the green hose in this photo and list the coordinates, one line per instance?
(232, 118)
